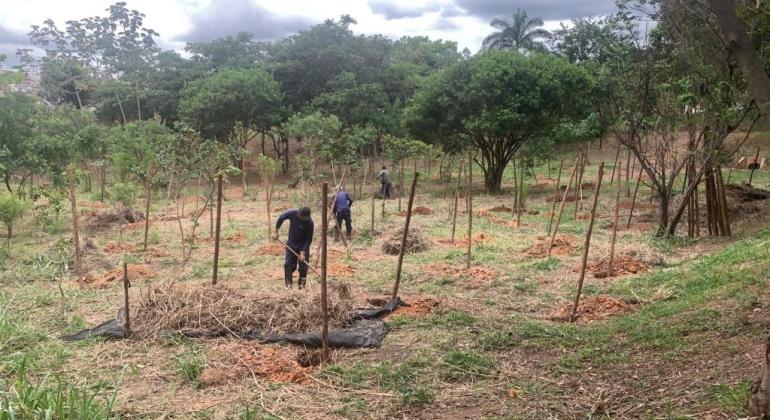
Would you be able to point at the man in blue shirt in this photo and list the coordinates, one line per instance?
(300, 236)
(341, 210)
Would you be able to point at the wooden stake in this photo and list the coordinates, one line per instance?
(615, 164)
(454, 216)
(372, 227)
(555, 196)
(404, 237)
(324, 243)
(587, 245)
(148, 192)
(633, 200)
(628, 165)
(561, 208)
(579, 184)
(217, 230)
(753, 167)
(126, 285)
(75, 230)
(468, 256)
(614, 227)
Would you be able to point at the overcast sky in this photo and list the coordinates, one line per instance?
(181, 21)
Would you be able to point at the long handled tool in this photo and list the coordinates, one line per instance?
(298, 257)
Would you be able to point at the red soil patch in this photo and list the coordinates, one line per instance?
(135, 271)
(339, 270)
(119, 248)
(274, 249)
(132, 226)
(463, 242)
(421, 210)
(232, 362)
(417, 306)
(496, 219)
(562, 245)
(479, 274)
(592, 308)
(583, 216)
(236, 238)
(622, 265)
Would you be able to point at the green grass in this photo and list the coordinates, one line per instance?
(461, 365)
(190, 365)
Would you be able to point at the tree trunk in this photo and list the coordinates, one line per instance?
(740, 46)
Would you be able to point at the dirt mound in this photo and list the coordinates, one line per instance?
(562, 245)
(335, 269)
(744, 200)
(232, 362)
(135, 271)
(273, 248)
(501, 209)
(415, 242)
(119, 248)
(496, 219)
(417, 306)
(622, 265)
(208, 309)
(235, 238)
(593, 308)
(463, 241)
(103, 219)
(421, 210)
(477, 274)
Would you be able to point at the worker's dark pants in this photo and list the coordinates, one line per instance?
(290, 264)
(385, 190)
(344, 215)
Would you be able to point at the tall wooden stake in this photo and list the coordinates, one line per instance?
(217, 230)
(633, 200)
(372, 227)
(587, 245)
(404, 237)
(561, 208)
(555, 196)
(614, 226)
(148, 192)
(126, 285)
(615, 164)
(454, 215)
(324, 243)
(753, 168)
(75, 230)
(468, 256)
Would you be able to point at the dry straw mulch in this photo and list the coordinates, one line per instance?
(415, 241)
(208, 309)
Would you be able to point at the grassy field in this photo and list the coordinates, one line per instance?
(680, 338)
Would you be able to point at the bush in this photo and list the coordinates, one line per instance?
(124, 193)
(11, 209)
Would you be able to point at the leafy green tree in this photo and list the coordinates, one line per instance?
(11, 209)
(239, 51)
(315, 131)
(495, 102)
(17, 120)
(520, 34)
(398, 151)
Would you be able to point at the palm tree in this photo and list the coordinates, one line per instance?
(519, 34)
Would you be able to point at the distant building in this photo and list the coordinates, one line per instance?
(15, 80)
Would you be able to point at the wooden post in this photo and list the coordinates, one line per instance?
(404, 237)
(615, 164)
(633, 200)
(324, 243)
(614, 226)
(372, 227)
(555, 196)
(148, 192)
(75, 230)
(126, 285)
(217, 229)
(561, 208)
(454, 216)
(468, 256)
(579, 185)
(753, 168)
(515, 205)
(520, 204)
(628, 165)
(587, 245)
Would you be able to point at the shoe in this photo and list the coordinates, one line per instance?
(301, 283)
(287, 277)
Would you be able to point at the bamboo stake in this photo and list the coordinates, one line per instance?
(586, 246)
(126, 285)
(217, 230)
(468, 256)
(75, 230)
(555, 197)
(633, 200)
(324, 244)
(404, 237)
(614, 227)
(561, 209)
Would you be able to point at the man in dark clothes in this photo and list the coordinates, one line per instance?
(384, 177)
(341, 210)
(300, 236)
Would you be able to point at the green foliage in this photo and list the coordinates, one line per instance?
(520, 34)
(190, 365)
(142, 149)
(11, 209)
(465, 365)
(124, 193)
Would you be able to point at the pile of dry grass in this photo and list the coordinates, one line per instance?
(208, 309)
(415, 242)
(102, 219)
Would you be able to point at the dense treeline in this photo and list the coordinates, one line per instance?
(346, 98)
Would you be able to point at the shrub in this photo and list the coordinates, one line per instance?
(124, 193)
(11, 209)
